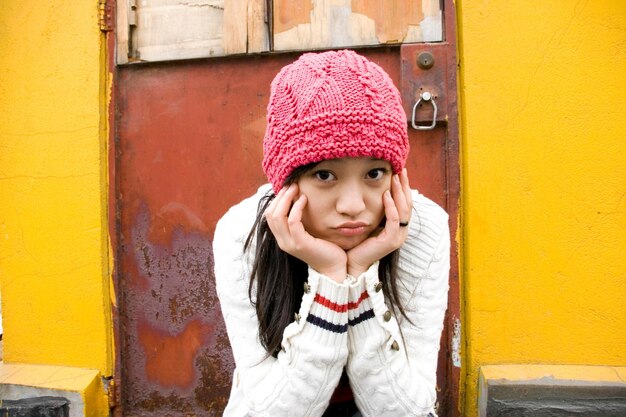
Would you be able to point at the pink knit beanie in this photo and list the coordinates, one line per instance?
(331, 105)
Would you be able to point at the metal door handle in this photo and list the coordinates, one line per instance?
(425, 96)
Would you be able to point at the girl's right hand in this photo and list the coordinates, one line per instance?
(284, 217)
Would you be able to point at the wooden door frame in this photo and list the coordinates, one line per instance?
(453, 334)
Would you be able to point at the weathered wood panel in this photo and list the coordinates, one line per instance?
(258, 26)
(161, 30)
(122, 10)
(178, 29)
(235, 27)
(345, 23)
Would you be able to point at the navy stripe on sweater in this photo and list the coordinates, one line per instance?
(337, 328)
(366, 315)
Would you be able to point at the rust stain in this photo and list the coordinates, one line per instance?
(175, 214)
(136, 279)
(170, 359)
(214, 388)
(180, 308)
(156, 402)
(183, 139)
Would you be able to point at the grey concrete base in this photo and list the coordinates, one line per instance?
(517, 400)
(35, 407)
(20, 392)
(520, 391)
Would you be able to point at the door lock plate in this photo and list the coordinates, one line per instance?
(424, 70)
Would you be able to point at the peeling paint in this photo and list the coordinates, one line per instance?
(456, 343)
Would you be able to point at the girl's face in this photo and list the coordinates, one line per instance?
(345, 199)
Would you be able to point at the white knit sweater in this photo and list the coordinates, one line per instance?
(340, 325)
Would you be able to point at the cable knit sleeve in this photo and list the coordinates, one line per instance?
(392, 363)
(301, 380)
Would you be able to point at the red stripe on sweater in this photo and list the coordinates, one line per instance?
(340, 308)
(355, 305)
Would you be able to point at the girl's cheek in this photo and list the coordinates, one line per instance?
(376, 231)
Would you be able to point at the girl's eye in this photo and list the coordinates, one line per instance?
(324, 175)
(376, 174)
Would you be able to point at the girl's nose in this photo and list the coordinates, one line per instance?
(350, 201)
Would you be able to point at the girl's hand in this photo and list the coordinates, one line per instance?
(284, 217)
(398, 205)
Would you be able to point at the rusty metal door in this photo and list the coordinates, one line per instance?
(188, 145)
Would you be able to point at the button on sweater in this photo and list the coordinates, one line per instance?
(391, 361)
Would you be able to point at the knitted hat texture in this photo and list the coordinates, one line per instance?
(332, 105)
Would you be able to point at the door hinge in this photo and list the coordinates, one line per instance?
(105, 15)
(112, 392)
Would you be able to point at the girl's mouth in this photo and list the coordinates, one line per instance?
(352, 228)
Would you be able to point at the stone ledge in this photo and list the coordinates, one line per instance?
(551, 390)
(82, 387)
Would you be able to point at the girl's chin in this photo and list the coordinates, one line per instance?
(349, 243)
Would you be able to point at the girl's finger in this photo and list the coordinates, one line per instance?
(391, 213)
(404, 180)
(277, 218)
(399, 199)
(270, 208)
(294, 220)
(283, 205)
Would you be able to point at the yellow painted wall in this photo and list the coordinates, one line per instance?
(54, 271)
(543, 87)
(543, 165)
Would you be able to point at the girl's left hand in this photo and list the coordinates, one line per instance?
(398, 205)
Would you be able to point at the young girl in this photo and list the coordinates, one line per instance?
(337, 264)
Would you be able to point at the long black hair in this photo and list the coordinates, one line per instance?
(280, 277)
